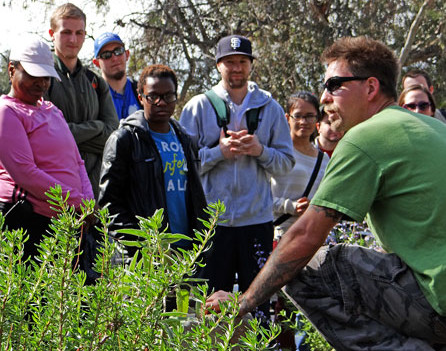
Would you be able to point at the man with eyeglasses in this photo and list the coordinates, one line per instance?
(236, 166)
(389, 167)
(111, 57)
(149, 164)
(81, 95)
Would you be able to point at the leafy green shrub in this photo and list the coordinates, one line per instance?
(45, 304)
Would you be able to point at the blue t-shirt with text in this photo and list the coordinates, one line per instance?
(175, 180)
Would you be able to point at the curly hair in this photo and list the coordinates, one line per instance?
(156, 71)
(367, 57)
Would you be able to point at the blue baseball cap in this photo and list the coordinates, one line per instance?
(105, 38)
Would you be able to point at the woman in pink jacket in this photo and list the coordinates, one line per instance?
(37, 149)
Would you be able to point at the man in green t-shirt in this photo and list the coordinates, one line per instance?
(389, 168)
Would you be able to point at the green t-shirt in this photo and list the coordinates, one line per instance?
(391, 168)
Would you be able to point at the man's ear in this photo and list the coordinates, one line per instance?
(51, 33)
(431, 89)
(11, 70)
(373, 86)
(96, 62)
(127, 55)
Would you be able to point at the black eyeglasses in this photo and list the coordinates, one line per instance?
(422, 106)
(334, 83)
(155, 99)
(108, 54)
(308, 118)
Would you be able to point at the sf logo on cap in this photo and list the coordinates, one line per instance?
(235, 43)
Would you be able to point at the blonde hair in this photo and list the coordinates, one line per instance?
(67, 10)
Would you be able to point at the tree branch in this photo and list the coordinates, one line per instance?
(405, 51)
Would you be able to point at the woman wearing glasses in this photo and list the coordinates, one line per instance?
(149, 163)
(418, 98)
(302, 113)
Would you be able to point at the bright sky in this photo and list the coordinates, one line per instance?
(15, 21)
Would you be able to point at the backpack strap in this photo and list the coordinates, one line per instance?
(252, 119)
(221, 109)
(317, 166)
(222, 112)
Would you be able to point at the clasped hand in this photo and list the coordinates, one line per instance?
(302, 205)
(239, 143)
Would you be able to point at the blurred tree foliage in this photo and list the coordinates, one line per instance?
(4, 79)
(288, 37)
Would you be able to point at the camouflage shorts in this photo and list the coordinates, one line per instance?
(361, 299)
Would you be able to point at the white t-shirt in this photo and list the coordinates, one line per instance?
(287, 189)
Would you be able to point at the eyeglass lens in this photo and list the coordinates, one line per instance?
(334, 83)
(422, 106)
(306, 117)
(108, 54)
(155, 99)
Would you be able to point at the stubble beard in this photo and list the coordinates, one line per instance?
(115, 76)
(238, 83)
(336, 123)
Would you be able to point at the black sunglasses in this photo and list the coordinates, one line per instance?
(155, 99)
(334, 83)
(422, 106)
(108, 54)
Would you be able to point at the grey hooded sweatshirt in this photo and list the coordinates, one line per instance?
(241, 183)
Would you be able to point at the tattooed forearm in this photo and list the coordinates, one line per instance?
(273, 277)
(329, 212)
(294, 251)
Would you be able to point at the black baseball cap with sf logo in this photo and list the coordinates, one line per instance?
(234, 45)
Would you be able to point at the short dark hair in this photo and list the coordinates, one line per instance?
(156, 71)
(417, 87)
(306, 96)
(322, 114)
(367, 57)
(67, 10)
(415, 72)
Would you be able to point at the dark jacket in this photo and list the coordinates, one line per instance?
(86, 103)
(132, 179)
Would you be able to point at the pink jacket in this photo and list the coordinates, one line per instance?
(37, 151)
